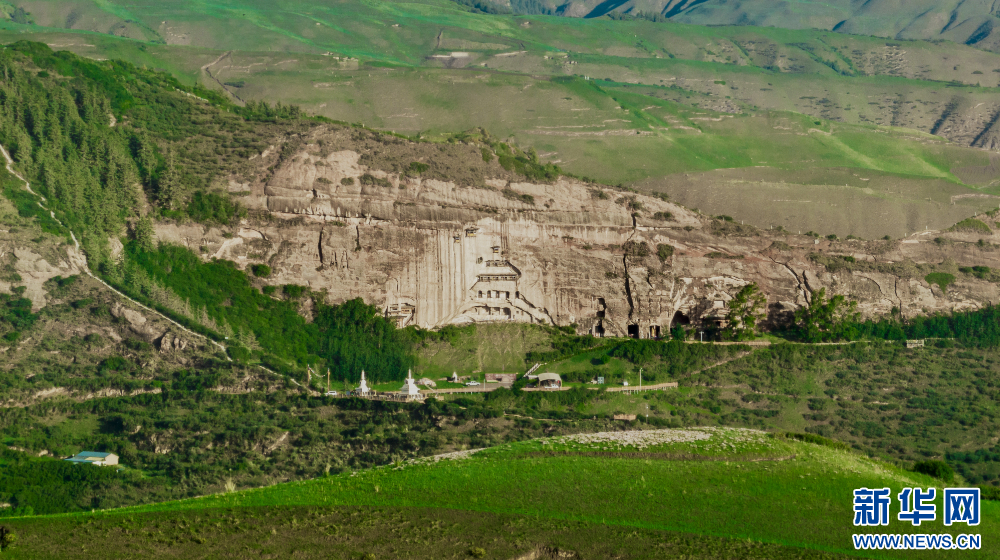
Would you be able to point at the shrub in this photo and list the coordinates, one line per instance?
(664, 251)
(663, 216)
(293, 291)
(347, 181)
(417, 167)
(514, 195)
(369, 179)
(212, 207)
(941, 279)
(261, 270)
(981, 272)
(971, 225)
(937, 469)
(817, 404)
(636, 249)
(477, 552)
(8, 539)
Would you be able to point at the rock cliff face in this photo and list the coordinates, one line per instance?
(431, 252)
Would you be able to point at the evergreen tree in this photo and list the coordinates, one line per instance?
(144, 234)
(168, 186)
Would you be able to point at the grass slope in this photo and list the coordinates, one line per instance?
(660, 103)
(744, 485)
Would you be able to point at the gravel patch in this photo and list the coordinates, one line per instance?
(639, 439)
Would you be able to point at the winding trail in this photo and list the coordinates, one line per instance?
(80, 260)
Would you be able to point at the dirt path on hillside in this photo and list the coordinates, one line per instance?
(80, 259)
(208, 72)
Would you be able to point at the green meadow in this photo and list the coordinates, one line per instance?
(738, 484)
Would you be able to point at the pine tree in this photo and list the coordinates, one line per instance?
(247, 339)
(144, 234)
(168, 186)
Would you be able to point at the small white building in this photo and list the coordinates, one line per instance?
(94, 458)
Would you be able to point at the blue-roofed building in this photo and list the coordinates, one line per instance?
(94, 458)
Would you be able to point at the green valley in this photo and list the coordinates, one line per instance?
(482, 279)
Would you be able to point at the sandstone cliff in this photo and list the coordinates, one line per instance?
(433, 252)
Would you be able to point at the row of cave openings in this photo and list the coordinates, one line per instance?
(634, 330)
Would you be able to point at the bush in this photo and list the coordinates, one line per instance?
(981, 272)
(212, 207)
(15, 315)
(8, 539)
(941, 279)
(477, 552)
(664, 251)
(261, 270)
(937, 469)
(663, 216)
(636, 249)
(369, 179)
(514, 195)
(347, 181)
(418, 168)
(971, 225)
(817, 404)
(294, 291)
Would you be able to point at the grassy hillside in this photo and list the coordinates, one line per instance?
(707, 95)
(216, 425)
(926, 19)
(742, 485)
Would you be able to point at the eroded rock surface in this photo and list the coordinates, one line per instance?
(432, 252)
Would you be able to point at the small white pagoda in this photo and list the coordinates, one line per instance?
(409, 391)
(363, 388)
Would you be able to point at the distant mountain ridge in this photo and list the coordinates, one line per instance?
(972, 22)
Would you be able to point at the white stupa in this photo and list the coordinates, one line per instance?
(409, 388)
(363, 388)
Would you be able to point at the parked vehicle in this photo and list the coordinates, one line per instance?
(331, 393)
(472, 384)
